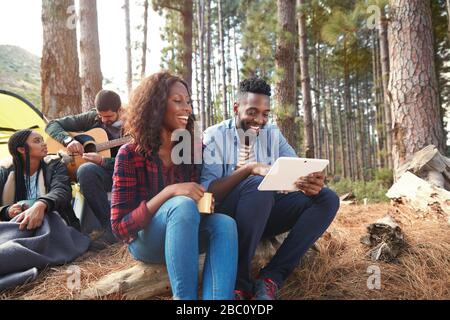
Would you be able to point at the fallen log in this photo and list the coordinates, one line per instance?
(420, 195)
(136, 283)
(145, 281)
(430, 165)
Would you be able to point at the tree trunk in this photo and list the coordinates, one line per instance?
(306, 82)
(285, 65)
(186, 10)
(317, 101)
(197, 75)
(377, 103)
(333, 130)
(236, 58)
(91, 73)
(60, 88)
(344, 170)
(384, 57)
(201, 40)
(126, 7)
(367, 119)
(448, 18)
(144, 42)
(208, 66)
(348, 113)
(325, 122)
(222, 59)
(413, 84)
(187, 17)
(230, 88)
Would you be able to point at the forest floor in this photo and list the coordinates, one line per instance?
(339, 269)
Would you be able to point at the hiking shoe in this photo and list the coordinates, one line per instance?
(265, 289)
(242, 295)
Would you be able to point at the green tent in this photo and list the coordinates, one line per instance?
(17, 113)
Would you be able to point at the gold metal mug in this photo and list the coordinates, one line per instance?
(205, 203)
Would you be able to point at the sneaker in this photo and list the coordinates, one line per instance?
(242, 295)
(265, 289)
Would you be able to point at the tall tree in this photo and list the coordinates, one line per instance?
(222, 59)
(448, 17)
(144, 42)
(258, 38)
(341, 29)
(210, 119)
(201, 40)
(413, 85)
(186, 9)
(285, 94)
(382, 28)
(60, 86)
(306, 81)
(90, 71)
(126, 7)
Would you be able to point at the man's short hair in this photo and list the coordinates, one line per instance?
(254, 85)
(107, 100)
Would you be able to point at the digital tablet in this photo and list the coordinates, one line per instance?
(285, 171)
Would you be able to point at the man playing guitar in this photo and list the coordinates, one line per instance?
(94, 176)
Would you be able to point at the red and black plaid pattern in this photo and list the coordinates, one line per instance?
(132, 188)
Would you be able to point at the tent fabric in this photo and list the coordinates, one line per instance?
(16, 113)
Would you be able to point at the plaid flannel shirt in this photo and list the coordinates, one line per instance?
(132, 188)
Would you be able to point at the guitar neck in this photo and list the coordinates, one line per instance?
(111, 144)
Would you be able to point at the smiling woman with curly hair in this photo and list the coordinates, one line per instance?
(147, 110)
(154, 200)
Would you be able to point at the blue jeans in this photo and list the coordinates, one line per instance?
(264, 214)
(95, 183)
(175, 236)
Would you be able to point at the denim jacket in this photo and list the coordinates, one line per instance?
(221, 149)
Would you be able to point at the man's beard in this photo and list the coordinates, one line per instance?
(243, 125)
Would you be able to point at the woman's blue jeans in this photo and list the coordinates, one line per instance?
(176, 235)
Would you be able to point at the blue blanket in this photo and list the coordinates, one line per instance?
(21, 252)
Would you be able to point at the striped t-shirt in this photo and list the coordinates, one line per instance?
(246, 154)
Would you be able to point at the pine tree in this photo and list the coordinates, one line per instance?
(413, 84)
(90, 68)
(60, 79)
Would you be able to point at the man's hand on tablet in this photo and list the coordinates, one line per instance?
(258, 169)
(311, 184)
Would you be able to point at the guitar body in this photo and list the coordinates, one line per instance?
(98, 134)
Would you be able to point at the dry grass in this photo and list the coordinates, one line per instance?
(337, 271)
(340, 269)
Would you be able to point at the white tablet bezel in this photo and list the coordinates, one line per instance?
(285, 171)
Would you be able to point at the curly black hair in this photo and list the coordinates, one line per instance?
(147, 108)
(254, 85)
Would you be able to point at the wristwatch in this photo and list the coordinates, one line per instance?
(67, 141)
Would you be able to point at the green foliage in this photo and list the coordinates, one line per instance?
(384, 176)
(20, 73)
(342, 26)
(172, 53)
(259, 38)
(374, 190)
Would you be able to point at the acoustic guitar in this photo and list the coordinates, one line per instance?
(100, 144)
